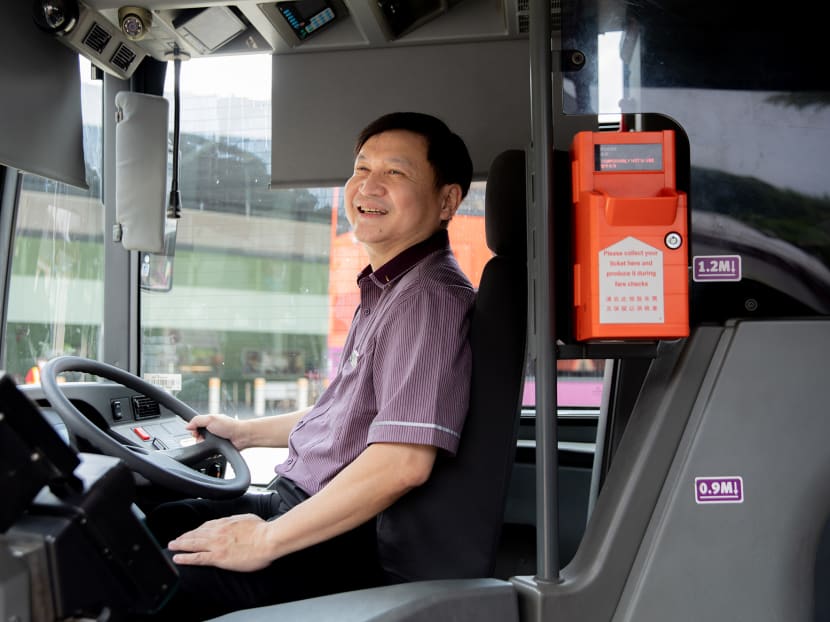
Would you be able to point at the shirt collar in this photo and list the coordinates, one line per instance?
(403, 261)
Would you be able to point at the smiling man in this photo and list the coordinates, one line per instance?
(399, 397)
(393, 200)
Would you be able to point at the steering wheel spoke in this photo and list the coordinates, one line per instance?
(169, 468)
(192, 454)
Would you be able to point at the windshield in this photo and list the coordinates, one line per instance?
(249, 315)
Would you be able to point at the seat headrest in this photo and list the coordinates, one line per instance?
(504, 204)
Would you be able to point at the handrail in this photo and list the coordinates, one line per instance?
(540, 248)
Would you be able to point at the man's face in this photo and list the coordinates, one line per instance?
(391, 199)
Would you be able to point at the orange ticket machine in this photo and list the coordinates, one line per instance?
(631, 278)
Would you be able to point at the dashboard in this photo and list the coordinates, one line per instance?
(133, 419)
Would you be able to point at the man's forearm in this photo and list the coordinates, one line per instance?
(376, 479)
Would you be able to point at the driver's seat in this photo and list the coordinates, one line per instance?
(449, 528)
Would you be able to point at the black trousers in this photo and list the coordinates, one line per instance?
(346, 562)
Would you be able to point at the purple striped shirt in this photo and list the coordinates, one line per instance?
(404, 376)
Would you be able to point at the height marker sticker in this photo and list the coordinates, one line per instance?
(716, 268)
(728, 489)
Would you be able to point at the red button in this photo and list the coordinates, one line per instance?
(142, 434)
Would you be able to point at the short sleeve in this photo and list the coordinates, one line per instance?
(422, 368)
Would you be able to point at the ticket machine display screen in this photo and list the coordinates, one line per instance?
(628, 157)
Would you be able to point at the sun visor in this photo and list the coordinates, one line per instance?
(313, 93)
(141, 170)
(41, 124)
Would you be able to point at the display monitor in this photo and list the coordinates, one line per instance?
(307, 17)
(628, 157)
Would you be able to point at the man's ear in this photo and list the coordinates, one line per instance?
(451, 200)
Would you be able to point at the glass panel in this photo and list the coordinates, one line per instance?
(578, 384)
(757, 120)
(263, 287)
(264, 280)
(56, 289)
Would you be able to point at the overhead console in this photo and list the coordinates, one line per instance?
(117, 38)
(299, 20)
(89, 34)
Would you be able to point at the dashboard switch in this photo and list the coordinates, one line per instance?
(117, 413)
(141, 433)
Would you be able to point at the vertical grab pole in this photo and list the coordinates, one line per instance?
(541, 263)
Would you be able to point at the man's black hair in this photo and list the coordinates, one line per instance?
(446, 152)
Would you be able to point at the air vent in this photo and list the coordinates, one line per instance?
(97, 38)
(123, 57)
(145, 407)
(103, 43)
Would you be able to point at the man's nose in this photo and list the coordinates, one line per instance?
(371, 184)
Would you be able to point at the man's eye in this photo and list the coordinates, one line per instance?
(394, 171)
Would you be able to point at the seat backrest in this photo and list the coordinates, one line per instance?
(450, 526)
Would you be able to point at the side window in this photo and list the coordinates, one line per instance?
(579, 383)
(57, 266)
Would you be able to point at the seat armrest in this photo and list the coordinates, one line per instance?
(460, 600)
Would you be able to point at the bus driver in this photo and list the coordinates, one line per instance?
(400, 395)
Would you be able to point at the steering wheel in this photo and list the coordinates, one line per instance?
(165, 467)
